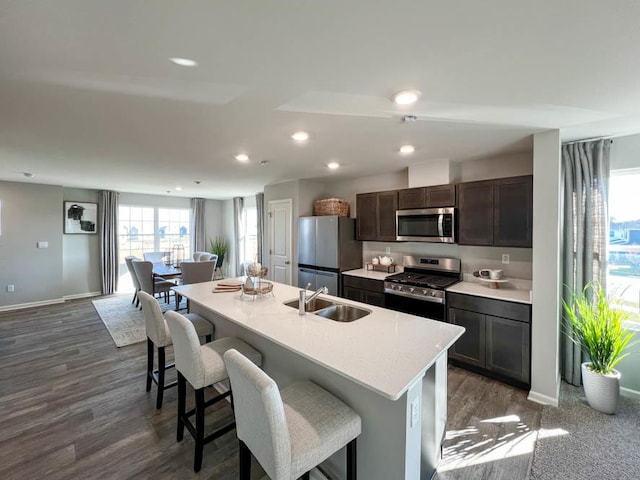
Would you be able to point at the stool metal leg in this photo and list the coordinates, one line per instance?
(149, 363)
(182, 394)
(161, 370)
(197, 461)
(352, 461)
(244, 455)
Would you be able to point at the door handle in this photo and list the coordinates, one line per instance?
(287, 262)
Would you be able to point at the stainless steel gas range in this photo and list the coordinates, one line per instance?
(420, 289)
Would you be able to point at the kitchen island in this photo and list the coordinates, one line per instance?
(390, 367)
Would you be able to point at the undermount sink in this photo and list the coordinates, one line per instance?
(343, 313)
(315, 304)
(337, 312)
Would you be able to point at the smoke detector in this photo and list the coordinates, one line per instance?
(409, 118)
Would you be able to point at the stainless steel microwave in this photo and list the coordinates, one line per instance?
(426, 225)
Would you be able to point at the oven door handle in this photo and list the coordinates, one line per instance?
(440, 225)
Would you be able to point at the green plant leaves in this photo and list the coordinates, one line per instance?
(596, 325)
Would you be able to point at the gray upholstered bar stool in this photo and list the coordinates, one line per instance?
(290, 431)
(201, 366)
(158, 335)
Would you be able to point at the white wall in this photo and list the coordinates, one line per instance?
(547, 226)
(30, 213)
(494, 167)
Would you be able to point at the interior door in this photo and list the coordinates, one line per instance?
(280, 213)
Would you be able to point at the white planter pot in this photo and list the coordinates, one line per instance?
(602, 391)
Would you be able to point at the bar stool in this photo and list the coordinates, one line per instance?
(201, 366)
(290, 431)
(158, 336)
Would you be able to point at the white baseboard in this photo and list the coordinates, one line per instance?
(76, 296)
(21, 306)
(627, 392)
(542, 399)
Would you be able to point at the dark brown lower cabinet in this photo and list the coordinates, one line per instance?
(363, 290)
(497, 340)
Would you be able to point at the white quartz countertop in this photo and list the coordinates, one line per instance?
(373, 274)
(507, 291)
(385, 351)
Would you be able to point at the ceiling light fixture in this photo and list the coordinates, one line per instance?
(184, 62)
(407, 149)
(300, 136)
(406, 97)
(242, 157)
(178, 188)
(333, 165)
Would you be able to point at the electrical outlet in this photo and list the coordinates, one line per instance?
(415, 412)
(11, 288)
(505, 258)
(387, 250)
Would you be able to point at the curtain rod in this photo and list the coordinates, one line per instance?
(588, 140)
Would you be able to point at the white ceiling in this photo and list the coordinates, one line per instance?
(88, 97)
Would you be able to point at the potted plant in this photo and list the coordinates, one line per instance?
(597, 326)
(218, 245)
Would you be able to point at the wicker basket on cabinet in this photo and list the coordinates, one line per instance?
(331, 206)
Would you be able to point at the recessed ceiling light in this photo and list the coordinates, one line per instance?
(184, 62)
(300, 136)
(178, 188)
(407, 149)
(333, 165)
(242, 157)
(406, 97)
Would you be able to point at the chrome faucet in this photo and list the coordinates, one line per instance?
(303, 300)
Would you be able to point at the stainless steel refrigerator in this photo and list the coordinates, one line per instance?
(326, 246)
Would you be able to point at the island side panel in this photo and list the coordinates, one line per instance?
(382, 446)
(433, 416)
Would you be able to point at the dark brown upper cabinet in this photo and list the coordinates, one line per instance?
(376, 216)
(496, 212)
(427, 197)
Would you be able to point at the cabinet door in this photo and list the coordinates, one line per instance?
(507, 350)
(513, 214)
(412, 198)
(440, 196)
(470, 347)
(373, 298)
(387, 206)
(475, 208)
(352, 293)
(367, 216)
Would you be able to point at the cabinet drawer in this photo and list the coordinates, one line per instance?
(489, 306)
(363, 283)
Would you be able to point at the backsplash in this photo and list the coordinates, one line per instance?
(472, 258)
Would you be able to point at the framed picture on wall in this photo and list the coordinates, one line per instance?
(80, 217)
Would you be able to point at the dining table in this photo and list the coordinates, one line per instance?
(163, 270)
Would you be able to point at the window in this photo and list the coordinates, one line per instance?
(150, 229)
(623, 278)
(249, 237)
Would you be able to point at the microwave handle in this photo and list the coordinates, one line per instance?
(440, 226)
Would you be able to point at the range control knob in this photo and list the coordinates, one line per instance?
(425, 292)
(411, 289)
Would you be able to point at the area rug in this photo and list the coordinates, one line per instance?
(123, 320)
(577, 442)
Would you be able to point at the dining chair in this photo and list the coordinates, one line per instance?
(158, 337)
(197, 255)
(208, 257)
(289, 431)
(134, 278)
(201, 366)
(155, 257)
(149, 284)
(195, 272)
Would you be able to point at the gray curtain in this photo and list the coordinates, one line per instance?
(238, 205)
(197, 217)
(260, 235)
(109, 241)
(586, 230)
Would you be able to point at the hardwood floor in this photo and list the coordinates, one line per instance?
(73, 405)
